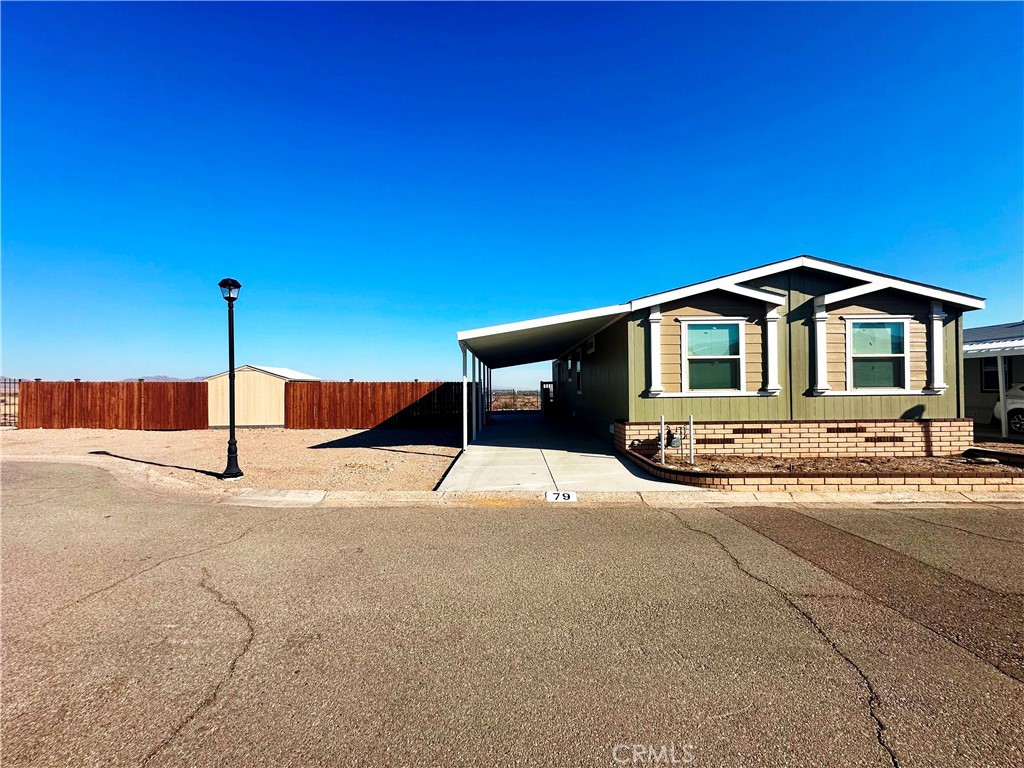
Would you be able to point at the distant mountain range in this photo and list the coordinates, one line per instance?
(165, 378)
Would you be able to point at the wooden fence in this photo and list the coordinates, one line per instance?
(113, 405)
(368, 404)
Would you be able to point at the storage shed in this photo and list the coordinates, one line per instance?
(259, 395)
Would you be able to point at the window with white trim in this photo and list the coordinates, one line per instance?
(877, 354)
(990, 373)
(579, 371)
(713, 356)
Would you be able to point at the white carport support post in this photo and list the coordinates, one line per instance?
(465, 401)
(937, 380)
(1001, 370)
(476, 393)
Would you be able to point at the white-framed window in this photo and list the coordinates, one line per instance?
(713, 351)
(579, 371)
(990, 373)
(878, 352)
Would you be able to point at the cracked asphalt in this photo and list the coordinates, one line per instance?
(141, 630)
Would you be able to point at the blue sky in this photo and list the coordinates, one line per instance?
(379, 176)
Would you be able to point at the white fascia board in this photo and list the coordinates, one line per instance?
(880, 284)
(851, 293)
(771, 298)
(725, 284)
(541, 322)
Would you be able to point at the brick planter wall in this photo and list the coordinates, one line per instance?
(796, 481)
(791, 439)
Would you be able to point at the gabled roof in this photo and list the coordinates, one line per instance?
(993, 340)
(547, 338)
(282, 373)
(873, 281)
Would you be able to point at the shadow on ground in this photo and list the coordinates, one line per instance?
(399, 440)
(156, 463)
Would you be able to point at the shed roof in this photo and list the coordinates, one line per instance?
(547, 338)
(282, 373)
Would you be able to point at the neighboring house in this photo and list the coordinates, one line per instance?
(259, 395)
(803, 340)
(983, 348)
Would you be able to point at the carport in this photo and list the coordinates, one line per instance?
(524, 451)
(529, 341)
(1008, 344)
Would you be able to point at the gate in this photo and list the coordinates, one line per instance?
(9, 401)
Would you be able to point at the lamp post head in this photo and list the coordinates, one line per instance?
(229, 288)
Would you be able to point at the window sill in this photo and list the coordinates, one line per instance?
(875, 392)
(712, 393)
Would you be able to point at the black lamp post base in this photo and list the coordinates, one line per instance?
(232, 472)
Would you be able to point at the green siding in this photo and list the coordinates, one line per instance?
(796, 370)
(605, 396)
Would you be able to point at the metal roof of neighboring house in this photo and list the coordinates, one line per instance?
(547, 338)
(282, 373)
(994, 340)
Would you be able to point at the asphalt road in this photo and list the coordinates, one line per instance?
(141, 630)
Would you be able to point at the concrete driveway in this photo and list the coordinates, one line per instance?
(144, 631)
(521, 451)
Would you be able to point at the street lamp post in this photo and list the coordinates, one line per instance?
(229, 288)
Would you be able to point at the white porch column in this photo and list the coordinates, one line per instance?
(771, 340)
(1001, 369)
(936, 374)
(821, 385)
(654, 324)
(465, 401)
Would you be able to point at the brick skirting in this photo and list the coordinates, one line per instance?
(796, 481)
(791, 439)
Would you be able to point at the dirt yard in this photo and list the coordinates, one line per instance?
(330, 460)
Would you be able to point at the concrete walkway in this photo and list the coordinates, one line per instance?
(524, 452)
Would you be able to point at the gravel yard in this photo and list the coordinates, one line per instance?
(330, 460)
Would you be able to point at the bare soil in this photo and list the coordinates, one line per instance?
(329, 460)
(924, 466)
(521, 401)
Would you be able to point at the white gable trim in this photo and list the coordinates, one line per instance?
(874, 283)
(718, 284)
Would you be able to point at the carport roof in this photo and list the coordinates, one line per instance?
(548, 338)
(532, 341)
(994, 340)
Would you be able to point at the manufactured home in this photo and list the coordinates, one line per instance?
(868, 363)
